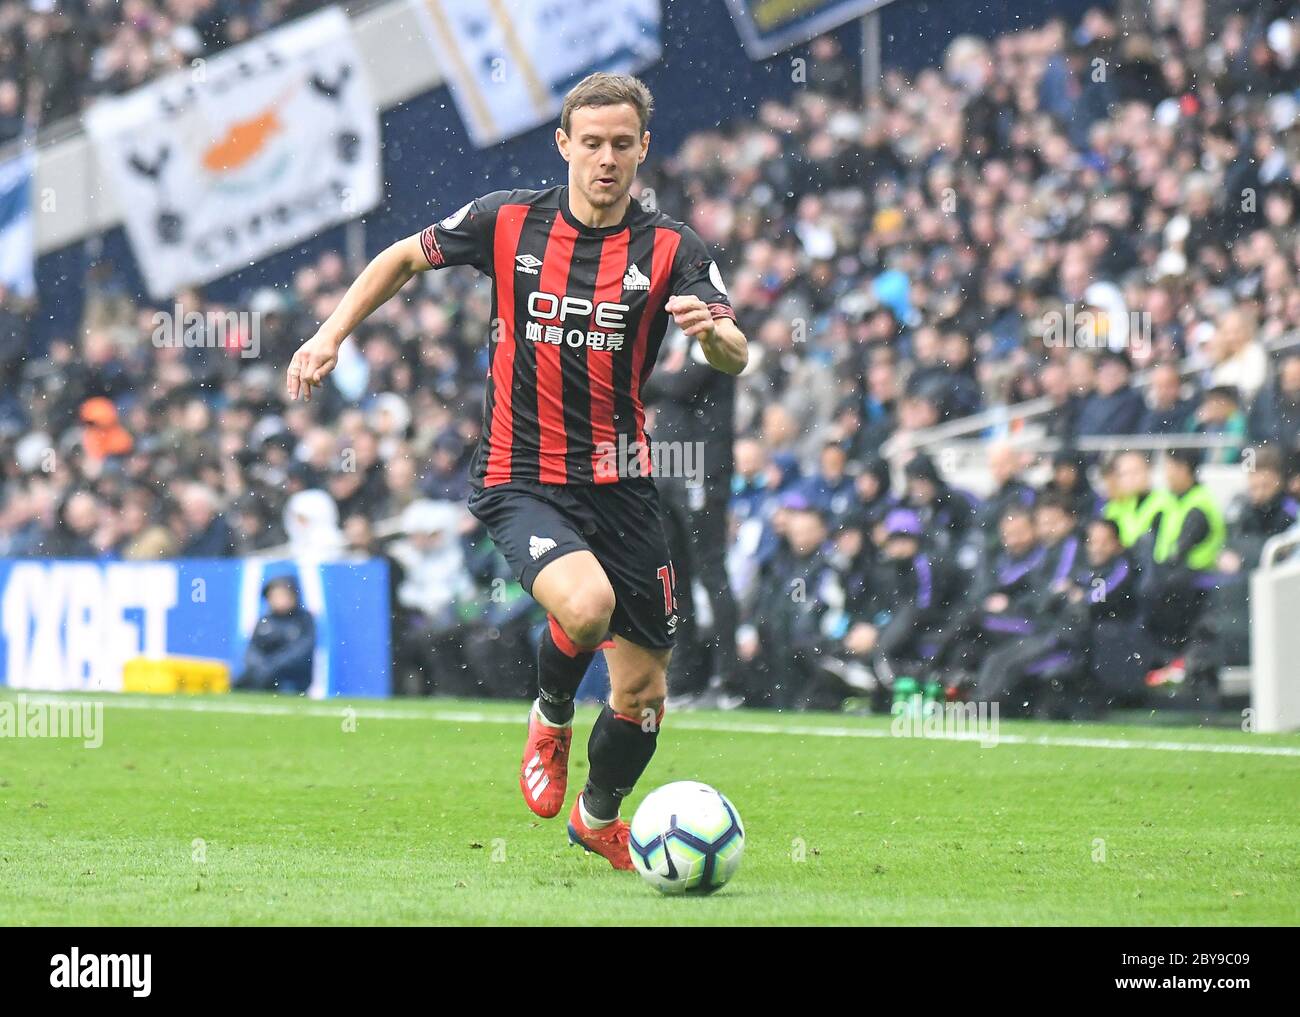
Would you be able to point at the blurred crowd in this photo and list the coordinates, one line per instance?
(1054, 597)
(1100, 216)
(57, 55)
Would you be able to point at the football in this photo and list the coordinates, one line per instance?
(687, 838)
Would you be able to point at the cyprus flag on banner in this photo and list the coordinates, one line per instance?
(509, 65)
(243, 154)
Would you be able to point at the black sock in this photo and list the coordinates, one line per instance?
(559, 673)
(618, 753)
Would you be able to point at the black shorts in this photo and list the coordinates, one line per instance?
(621, 524)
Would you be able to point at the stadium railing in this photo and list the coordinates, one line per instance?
(1002, 418)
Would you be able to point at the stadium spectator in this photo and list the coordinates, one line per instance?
(78, 525)
(1275, 416)
(436, 584)
(830, 489)
(62, 56)
(1189, 539)
(868, 418)
(872, 498)
(1103, 621)
(311, 524)
(1069, 481)
(896, 613)
(140, 533)
(1167, 412)
(1114, 407)
(946, 513)
(102, 436)
(785, 641)
(1237, 359)
(11, 116)
(834, 213)
(447, 478)
(1005, 464)
(1220, 415)
(1061, 421)
(1135, 508)
(401, 484)
(1057, 528)
(1265, 511)
(756, 481)
(282, 648)
(1003, 601)
(205, 532)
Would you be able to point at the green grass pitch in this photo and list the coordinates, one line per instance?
(241, 810)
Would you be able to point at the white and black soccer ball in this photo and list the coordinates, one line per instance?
(686, 837)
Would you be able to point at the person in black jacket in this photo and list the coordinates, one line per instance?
(207, 534)
(1057, 525)
(1167, 412)
(873, 498)
(1106, 588)
(1062, 418)
(1114, 408)
(794, 587)
(946, 514)
(73, 533)
(895, 617)
(694, 407)
(1091, 616)
(282, 649)
(1275, 415)
(1037, 651)
(1070, 481)
(1264, 512)
(1105, 620)
(1003, 602)
(1005, 463)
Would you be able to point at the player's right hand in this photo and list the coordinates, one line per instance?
(311, 364)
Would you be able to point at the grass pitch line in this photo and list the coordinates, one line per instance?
(316, 709)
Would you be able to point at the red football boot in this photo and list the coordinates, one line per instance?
(544, 775)
(610, 842)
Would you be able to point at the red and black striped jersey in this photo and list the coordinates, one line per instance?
(577, 320)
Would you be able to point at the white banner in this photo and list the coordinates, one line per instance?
(243, 154)
(509, 65)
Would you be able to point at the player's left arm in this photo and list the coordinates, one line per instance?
(700, 306)
(722, 341)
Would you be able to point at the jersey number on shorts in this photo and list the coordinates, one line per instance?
(669, 579)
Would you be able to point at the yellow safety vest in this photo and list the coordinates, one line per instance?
(1205, 554)
(1135, 518)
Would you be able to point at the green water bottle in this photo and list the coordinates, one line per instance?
(906, 689)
